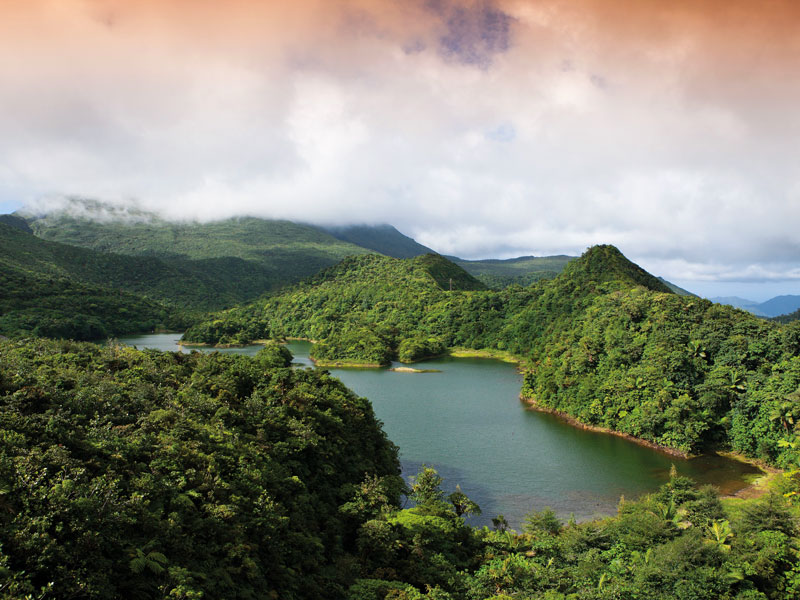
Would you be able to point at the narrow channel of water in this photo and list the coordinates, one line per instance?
(467, 422)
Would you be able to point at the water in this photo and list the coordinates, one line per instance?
(468, 423)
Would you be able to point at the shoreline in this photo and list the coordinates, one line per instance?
(206, 345)
(760, 484)
(461, 352)
(756, 488)
(412, 370)
(573, 422)
(343, 364)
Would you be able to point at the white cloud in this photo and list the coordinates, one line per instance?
(548, 137)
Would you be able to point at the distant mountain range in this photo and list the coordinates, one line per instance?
(774, 307)
(208, 266)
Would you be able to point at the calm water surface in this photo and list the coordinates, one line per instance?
(467, 422)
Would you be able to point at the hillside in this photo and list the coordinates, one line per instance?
(41, 295)
(362, 307)
(131, 474)
(140, 275)
(523, 270)
(16, 222)
(383, 239)
(236, 260)
(604, 342)
(677, 289)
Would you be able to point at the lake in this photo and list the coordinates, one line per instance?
(467, 421)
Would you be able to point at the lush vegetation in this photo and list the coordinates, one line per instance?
(361, 309)
(524, 270)
(144, 276)
(211, 265)
(679, 543)
(156, 475)
(45, 299)
(141, 474)
(383, 239)
(128, 474)
(604, 342)
(794, 316)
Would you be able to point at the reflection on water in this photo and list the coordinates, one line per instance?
(467, 422)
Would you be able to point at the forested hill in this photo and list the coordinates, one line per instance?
(233, 261)
(141, 275)
(604, 342)
(523, 270)
(383, 239)
(131, 474)
(52, 290)
(363, 308)
(145, 474)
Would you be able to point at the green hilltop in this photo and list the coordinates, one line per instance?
(223, 262)
(604, 342)
(142, 275)
(523, 270)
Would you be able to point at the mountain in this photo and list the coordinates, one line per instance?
(780, 305)
(53, 290)
(16, 222)
(412, 294)
(230, 261)
(141, 275)
(737, 302)
(363, 308)
(383, 239)
(678, 290)
(524, 270)
(774, 307)
(734, 301)
(495, 273)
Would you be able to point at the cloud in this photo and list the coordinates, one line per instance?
(473, 32)
(481, 128)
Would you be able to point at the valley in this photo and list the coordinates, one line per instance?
(134, 451)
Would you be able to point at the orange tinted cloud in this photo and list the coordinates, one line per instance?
(583, 120)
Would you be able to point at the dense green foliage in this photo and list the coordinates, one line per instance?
(44, 299)
(500, 273)
(794, 316)
(211, 265)
(499, 282)
(128, 474)
(383, 239)
(679, 543)
(361, 309)
(144, 276)
(604, 342)
(141, 474)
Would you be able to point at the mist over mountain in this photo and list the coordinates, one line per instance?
(98, 224)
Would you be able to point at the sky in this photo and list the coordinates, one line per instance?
(482, 128)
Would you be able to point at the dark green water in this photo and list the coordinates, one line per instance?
(468, 422)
